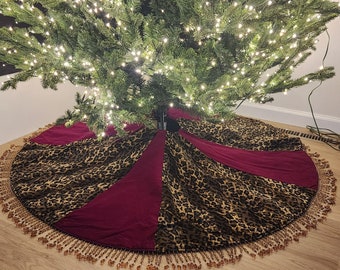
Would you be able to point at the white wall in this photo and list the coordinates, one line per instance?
(30, 107)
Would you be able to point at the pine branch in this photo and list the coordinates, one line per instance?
(135, 56)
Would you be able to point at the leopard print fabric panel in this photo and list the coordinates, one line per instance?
(206, 205)
(53, 181)
(243, 133)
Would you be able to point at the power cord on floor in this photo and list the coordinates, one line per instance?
(326, 135)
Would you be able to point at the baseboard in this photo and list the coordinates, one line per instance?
(288, 116)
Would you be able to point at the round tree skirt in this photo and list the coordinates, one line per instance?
(198, 194)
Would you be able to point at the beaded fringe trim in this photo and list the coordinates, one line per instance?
(122, 259)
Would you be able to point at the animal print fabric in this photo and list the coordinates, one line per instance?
(242, 132)
(204, 205)
(51, 181)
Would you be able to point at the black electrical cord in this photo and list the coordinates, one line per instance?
(328, 136)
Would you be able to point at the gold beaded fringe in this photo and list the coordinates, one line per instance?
(121, 259)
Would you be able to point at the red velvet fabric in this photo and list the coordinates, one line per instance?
(293, 167)
(126, 215)
(61, 135)
(175, 113)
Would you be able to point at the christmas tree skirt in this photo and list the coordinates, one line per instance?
(202, 195)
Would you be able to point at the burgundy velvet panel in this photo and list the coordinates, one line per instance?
(293, 167)
(175, 113)
(126, 215)
(61, 135)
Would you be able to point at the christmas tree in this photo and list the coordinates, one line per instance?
(138, 57)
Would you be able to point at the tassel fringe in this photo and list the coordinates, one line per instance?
(122, 259)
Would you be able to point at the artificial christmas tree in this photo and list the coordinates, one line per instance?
(138, 56)
(202, 194)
